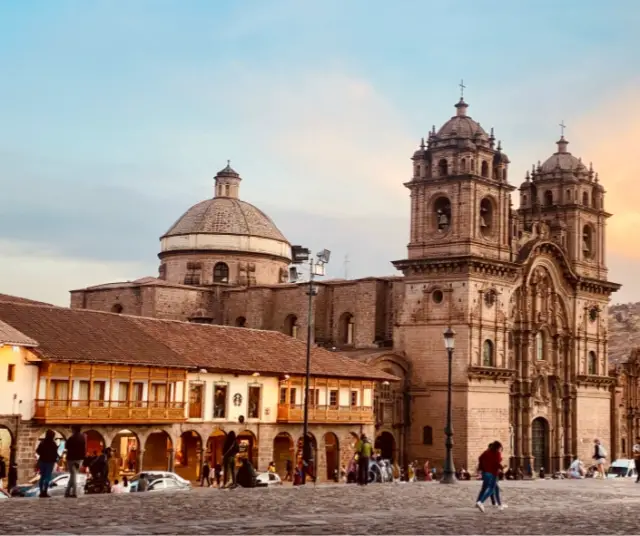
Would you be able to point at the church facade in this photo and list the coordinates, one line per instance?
(525, 291)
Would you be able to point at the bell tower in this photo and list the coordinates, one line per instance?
(568, 196)
(459, 193)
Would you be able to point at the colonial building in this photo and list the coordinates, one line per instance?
(164, 394)
(525, 289)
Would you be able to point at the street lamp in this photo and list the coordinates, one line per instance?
(449, 476)
(316, 268)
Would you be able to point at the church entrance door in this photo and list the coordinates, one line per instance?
(540, 444)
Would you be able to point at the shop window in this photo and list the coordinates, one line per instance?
(220, 401)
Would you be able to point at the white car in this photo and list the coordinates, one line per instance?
(152, 476)
(58, 485)
(622, 468)
(268, 480)
(168, 484)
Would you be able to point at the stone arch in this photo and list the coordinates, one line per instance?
(283, 452)
(157, 445)
(117, 308)
(96, 441)
(248, 447)
(588, 241)
(484, 169)
(332, 455)
(441, 212)
(592, 363)
(488, 354)
(585, 199)
(443, 167)
(188, 456)
(540, 443)
(487, 216)
(291, 325)
(125, 446)
(548, 198)
(314, 448)
(386, 444)
(7, 444)
(215, 445)
(241, 322)
(346, 329)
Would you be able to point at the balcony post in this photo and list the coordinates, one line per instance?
(91, 374)
(48, 391)
(130, 393)
(149, 394)
(111, 374)
(70, 390)
(167, 396)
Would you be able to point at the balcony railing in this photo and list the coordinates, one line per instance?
(294, 413)
(86, 411)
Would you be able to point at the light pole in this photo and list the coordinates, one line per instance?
(449, 476)
(316, 267)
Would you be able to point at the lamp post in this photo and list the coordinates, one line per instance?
(316, 268)
(449, 476)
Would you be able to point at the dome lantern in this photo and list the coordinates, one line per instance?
(227, 182)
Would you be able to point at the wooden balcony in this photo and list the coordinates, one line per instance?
(107, 412)
(294, 413)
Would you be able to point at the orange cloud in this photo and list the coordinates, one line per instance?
(609, 138)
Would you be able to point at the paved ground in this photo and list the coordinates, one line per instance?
(548, 507)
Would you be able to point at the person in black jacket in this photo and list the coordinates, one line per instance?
(230, 449)
(206, 471)
(47, 452)
(76, 453)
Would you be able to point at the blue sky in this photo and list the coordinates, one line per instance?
(114, 116)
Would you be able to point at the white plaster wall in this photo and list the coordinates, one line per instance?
(23, 388)
(226, 243)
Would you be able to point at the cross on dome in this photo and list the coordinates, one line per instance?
(462, 88)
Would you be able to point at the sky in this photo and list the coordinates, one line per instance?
(115, 116)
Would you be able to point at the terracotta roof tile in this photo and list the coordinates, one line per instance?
(16, 299)
(10, 335)
(92, 336)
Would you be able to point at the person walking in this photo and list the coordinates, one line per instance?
(76, 453)
(47, 452)
(230, 450)
(489, 465)
(289, 469)
(3, 471)
(364, 455)
(206, 471)
(217, 473)
(636, 457)
(600, 457)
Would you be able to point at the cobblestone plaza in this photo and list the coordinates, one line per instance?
(534, 507)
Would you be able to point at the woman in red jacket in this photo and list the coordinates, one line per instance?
(489, 464)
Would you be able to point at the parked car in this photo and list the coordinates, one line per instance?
(268, 480)
(152, 476)
(168, 484)
(58, 485)
(622, 468)
(4, 494)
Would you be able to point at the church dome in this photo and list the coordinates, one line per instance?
(225, 215)
(562, 160)
(462, 126)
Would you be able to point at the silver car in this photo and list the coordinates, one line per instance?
(58, 485)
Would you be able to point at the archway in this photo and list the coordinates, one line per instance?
(6, 445)
(156, 451)
(215, 444)
(332, 455)
(59, 438)
(386, 444)
(188, 455)
(125, 447)
(248, 447)
(95, 442)
(540, 443)
(282, 451)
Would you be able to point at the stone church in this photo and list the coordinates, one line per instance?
(525, 290)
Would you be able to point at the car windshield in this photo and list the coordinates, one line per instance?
(618, 470)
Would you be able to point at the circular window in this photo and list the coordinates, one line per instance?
(438, 296)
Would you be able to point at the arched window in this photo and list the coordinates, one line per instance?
(346, 329)
(587, 242)
(442, 214)
(241, 322)
(568, 196)
(548, 198)
(524, 199)
(585, 199)
(117, 308)
(291, 326)
(486, 216)
(593, 364)
(540, 346)
(484, 169)
(463, 165)
(487, 354)
(427, 435)
(443, 170)
(220, 273)
(417, 170)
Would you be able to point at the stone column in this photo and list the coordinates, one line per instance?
(171, 460)
(139, 460)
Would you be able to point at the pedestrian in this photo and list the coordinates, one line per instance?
(143, 483)
(117, 487)
(13, 476)
(217, 472)
(489, 465)
(206, 471)
(427, 471)
(364, 454)
(113, 465)
(271, 468)
(3, 471)
(289, 469)
(600, 456)
(308, 462)
(636, 457)
(230, 450)
(125, 483)
(47, 452)
(76, 453)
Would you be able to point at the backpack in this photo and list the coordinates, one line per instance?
(602, 451)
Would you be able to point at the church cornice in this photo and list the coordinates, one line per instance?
(490, 373)
(454, 179)
(461, 265)
(595, 381)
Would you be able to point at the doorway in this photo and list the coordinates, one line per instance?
(540, 443)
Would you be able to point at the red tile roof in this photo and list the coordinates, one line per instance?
(92, 336)
(16, 299)
(11, 336)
